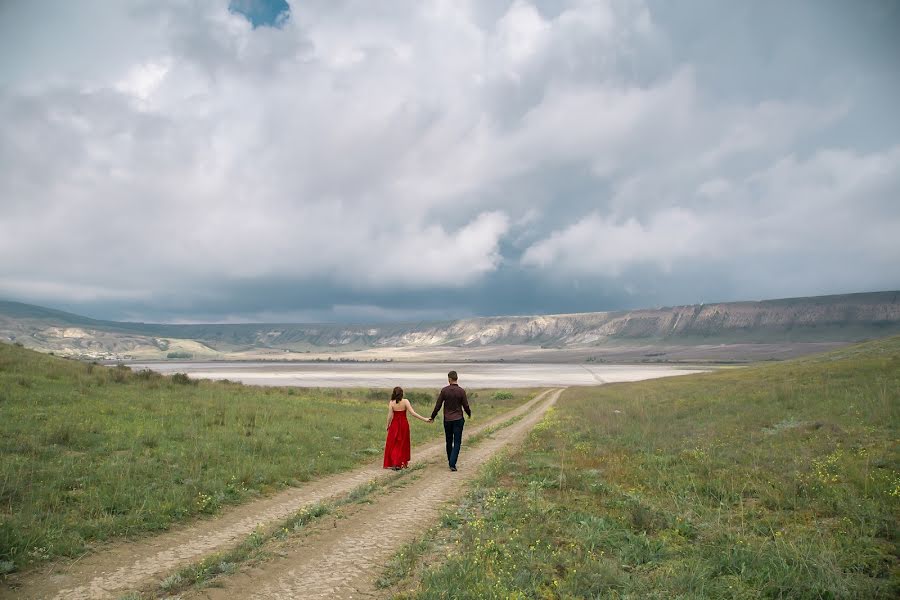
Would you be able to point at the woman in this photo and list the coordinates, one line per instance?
(396, 447)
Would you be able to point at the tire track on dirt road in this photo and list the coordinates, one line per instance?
(344, 561)
(125, 566)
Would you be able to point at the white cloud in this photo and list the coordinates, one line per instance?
(836, 210)
(600, 246)
(404, 146)
(314, 149)
(522, 32)
(143, 79)
(434, 257)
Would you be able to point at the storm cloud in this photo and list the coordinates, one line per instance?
(366, 161)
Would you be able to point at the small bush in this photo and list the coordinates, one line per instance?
(61, 436)
(502, 395)
(420, 397)
(171, 582)
(179, 355)
(119, 374)
(183, 379)
(147, 375)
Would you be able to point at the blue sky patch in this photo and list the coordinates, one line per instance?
(262, 13)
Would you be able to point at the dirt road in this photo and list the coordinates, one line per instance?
(354, 550)
(344, 561)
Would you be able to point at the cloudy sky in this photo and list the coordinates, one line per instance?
(332, 160)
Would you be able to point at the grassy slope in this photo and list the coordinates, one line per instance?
(89, 452)
(770, 481)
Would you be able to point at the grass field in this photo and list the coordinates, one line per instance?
(775, 481)
(92, 453)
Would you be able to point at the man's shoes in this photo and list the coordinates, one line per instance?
(453, 469)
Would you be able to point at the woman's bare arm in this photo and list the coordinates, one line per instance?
(390, 416)
(414, 413)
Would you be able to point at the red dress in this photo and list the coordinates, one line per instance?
(396, 447)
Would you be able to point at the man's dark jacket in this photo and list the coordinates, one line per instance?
(454, 400)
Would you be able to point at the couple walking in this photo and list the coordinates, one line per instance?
(454, 400)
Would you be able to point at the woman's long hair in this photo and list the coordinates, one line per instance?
(397, 394)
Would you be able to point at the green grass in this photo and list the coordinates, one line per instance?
(775, 481)
(92, 453)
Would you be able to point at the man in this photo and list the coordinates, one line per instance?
(454, 400)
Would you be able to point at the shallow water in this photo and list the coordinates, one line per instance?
(415, 375)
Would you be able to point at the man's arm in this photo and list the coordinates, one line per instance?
(437, 405)
(465, 403)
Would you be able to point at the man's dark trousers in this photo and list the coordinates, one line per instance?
(453, 432)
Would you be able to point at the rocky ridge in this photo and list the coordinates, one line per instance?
(818, 319)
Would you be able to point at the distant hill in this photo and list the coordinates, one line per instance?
(841, 318)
